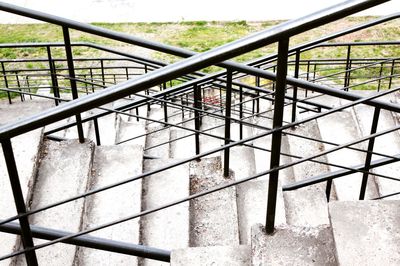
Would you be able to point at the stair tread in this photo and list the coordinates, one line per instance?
(366, 232)
(213, 217)
(215, 255)
(112, 164)
(292, 245)
(64, 172)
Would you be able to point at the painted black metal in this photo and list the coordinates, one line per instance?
(92, 242)
(228, 113)
(197, 100)
(26, 234)
(296, 75)
(74, 90)
(280, 88)
(340, 173)
(370, 148)
(53, 75)
(217, 150)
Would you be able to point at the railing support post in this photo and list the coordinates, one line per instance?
(74, 88)
(53, 75)
(296, 75)
(164, 86)
(370, 148)
(277, 136)
(347, 74)
(197, 122)
(3, 69)
(26, 234)
(241, 112)
(228, 101)
(391, 74)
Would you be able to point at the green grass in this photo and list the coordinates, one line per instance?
(198, 36)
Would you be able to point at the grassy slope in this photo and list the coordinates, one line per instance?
(197, 36)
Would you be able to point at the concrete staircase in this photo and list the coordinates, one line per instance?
(222, 228)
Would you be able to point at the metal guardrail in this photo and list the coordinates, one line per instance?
(280, 33)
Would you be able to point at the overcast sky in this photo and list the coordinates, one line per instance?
(181, 10)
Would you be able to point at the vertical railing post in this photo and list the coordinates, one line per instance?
(71, 71)
(370, 148)
(103, 77)
(26, 234)
(3, 70)
(197, 123)
(258, 95)
(53, 75)
(277, 135)
(97, 131)
(347, 73)
(380, 77)
(241, 112)
(391, 75)
(296, 75)
(164, 86)
(228, 101)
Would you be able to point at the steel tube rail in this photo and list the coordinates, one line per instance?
(339, 173)
(312, 44)
(171, 165)
(92, 242)
(194, 63)
(197, 195)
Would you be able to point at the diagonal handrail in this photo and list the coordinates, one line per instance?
(195, 62)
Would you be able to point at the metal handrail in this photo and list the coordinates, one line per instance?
(194, 63)
(217, 56)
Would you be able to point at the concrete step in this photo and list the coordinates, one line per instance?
(107, 127)
(160, 135)
(64, 172)
(168, 228)
(217, 255)
(366, 232)
(311, 201)
(112, 164)
(386, 144)
(341, 128)
(184, 146)
(26, 149)
(292, 245)
(252, 207)
(207, 142)
(252, 195)
(213, 218)
(133, 132)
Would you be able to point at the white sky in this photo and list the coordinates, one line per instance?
(180, 10)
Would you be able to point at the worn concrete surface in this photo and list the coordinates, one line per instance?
(386, 144)
(366, 232)
(311, 209)
(293, 245)
(216, 255)
(341, 128)
(26, 151)
(112, 164)
(184, 146)
(131, 132)
(64, 172)
(168, 228)
(252, 206)
(159, 135)
(213, 218)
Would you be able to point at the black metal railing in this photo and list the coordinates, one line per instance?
(217, 56)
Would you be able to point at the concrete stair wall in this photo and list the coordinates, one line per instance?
(219, 228)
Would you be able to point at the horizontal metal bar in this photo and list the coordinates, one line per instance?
(336, 174)
(186, 160)
(195, 62)
(92, 242)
